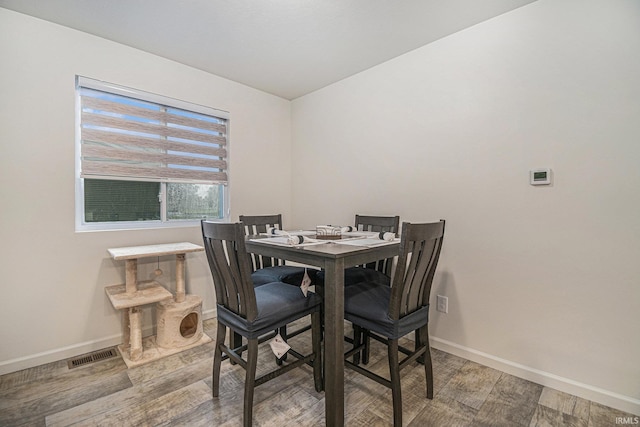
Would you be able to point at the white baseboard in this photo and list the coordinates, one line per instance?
(57, 354)
(209, 314)
(586, 391)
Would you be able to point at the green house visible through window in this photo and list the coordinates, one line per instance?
(147, 161)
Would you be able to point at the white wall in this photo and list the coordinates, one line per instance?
(543, 282)
(53, 303)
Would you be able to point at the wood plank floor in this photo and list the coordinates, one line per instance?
(176, 391)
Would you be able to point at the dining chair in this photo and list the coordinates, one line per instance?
(379, 271)
(387, 313)
(267, 269)
(253, 312)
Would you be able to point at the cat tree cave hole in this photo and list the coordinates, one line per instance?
(189, 325)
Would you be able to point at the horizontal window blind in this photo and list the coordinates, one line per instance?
(125, 137)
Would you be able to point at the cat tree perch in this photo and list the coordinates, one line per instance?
(179, 318)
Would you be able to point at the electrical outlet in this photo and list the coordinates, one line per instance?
(442, 304)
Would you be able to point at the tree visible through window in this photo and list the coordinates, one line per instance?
(187, 201)
(143, 158)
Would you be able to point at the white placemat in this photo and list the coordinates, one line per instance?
(284, 241)
(366, 242)
(292, 233)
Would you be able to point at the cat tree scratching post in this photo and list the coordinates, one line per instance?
(179, 320)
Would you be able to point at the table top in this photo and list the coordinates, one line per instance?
(316, 254)
(134, 252)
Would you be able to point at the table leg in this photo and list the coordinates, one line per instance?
(334, 342)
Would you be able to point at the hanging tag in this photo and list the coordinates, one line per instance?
(306, 282)
(279, 346)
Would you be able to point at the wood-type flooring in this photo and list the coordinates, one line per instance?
(176, 391)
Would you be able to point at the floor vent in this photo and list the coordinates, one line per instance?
(96, 356)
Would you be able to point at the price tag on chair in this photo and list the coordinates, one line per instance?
(279, 346)
(306, 282)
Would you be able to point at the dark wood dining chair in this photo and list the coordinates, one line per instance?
(253, 312)
(388, 313)
(378, 271)
(267, 269)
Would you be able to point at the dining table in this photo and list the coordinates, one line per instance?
(333, 257)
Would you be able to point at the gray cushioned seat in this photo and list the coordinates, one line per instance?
(355, 275)
(278, 304)
(289, 274)
(367, 305)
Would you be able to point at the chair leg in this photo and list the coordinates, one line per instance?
(236, 341)
(283, 333)
(319, 290)
(357, 340)
(217, 358)
(418, 343)
(316, 340)
(367, 343)
(394, 369)
(428, 367)
(250, 381)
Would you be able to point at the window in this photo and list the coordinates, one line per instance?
(144, 160)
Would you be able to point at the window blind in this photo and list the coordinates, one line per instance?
(127, 137)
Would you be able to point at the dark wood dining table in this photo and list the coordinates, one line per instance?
(333, 258)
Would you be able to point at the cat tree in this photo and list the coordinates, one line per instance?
(179, 318)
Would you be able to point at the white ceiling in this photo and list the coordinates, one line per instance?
(285, 47)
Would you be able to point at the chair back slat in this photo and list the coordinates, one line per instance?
(412, 279)
(385, 224)
(378, 223)
(256, 224)
(420, 247)
(230, 267)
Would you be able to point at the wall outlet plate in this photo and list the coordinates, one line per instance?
(442, 303)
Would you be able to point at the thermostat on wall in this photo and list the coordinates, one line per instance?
(540, 176)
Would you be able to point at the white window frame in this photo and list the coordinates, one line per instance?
(80, 224)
